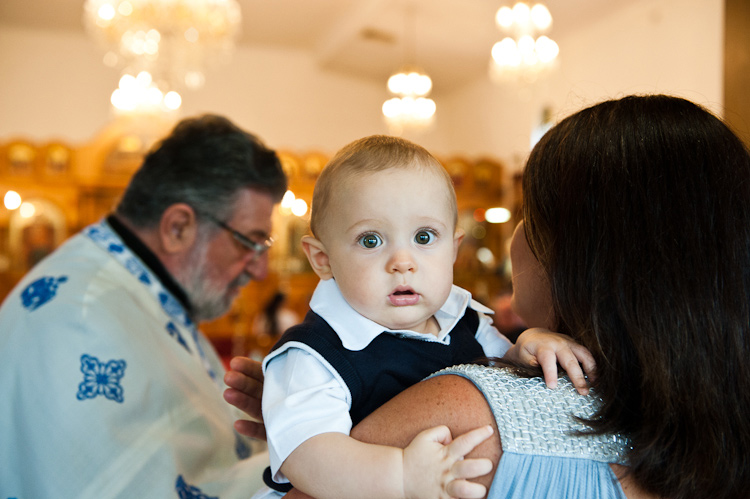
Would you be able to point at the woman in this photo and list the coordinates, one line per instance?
(635, 241)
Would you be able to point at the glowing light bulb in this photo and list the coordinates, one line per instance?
(504, 17)
(27, 209)
(541, 17)
(106, 12)
(12, 200)
(172, 100)
(497, 215)
(299, 207)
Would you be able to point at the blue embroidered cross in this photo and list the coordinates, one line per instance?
(101, 379)
(186, 491)
(40, 292)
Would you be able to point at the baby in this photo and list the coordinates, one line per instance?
(384, 316)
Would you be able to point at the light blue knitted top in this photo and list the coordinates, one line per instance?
(542, 456)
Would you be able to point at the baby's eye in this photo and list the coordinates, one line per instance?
(424, 237)
(370, 241)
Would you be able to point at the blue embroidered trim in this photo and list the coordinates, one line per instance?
(101, 379)
(175, 333)
(40, 292)
(173, 308)
(185, 491)
(240, 446)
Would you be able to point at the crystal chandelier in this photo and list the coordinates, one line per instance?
(161, 46)
(410, 107)
(527, 51)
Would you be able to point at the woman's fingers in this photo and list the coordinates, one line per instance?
(252, 429)
(245, 382)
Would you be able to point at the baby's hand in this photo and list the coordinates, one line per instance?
(542, 347)
(434, 466)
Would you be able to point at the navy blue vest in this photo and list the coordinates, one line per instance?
(390, 363)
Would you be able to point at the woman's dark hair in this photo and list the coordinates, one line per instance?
(204, 162)
(639, 211)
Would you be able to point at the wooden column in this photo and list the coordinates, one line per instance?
(737, 67)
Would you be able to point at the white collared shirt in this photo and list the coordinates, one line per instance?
(304, 396)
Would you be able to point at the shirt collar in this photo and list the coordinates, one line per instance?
(150, 260)
(357, 331)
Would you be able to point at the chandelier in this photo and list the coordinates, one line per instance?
(410, 107)
(161, 46)
(527, 51)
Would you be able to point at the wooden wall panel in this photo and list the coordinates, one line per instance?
(737, 67)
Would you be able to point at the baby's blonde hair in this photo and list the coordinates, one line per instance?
(370, 155)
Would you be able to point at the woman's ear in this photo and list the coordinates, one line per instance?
(317, 256)
(178, 228)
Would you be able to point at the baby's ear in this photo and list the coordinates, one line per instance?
(317, 256)
(458, 236)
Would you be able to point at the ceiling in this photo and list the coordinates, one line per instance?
(451, 39)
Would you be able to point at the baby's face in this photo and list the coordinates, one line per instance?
(391, 241)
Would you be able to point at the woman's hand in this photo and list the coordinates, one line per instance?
(245, 381)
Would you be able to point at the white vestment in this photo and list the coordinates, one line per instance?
(108, 390)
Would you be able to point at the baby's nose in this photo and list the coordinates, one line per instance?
(402, 261)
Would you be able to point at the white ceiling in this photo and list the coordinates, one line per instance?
(362, 38)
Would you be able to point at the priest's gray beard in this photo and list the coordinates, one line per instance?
(208, 298)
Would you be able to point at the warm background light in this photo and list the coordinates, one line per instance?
(299, 207)
(497, 215)
(27, 210)
(173, 41)
(526, 52)
(290, 204)
(12, 200)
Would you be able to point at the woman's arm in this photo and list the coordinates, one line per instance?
(444, 400)
(447, 400)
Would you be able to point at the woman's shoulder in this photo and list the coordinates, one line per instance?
(466, 397)
(452, 401)
(534, 419)
(443, 400)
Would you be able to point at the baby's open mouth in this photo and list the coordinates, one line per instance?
(404, 296)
